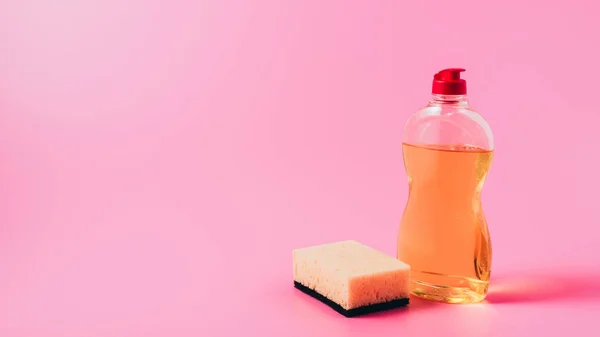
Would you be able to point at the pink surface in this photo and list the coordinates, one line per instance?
(161, 159)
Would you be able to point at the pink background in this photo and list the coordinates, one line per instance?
(161, 159)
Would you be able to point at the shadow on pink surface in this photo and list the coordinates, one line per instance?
(307, 304)
(416, 304)
(545, 287)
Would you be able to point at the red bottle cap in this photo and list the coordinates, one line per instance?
(448, 82)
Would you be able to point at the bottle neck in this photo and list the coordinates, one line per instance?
(457, 100)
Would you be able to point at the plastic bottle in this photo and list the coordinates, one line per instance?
(447, 149)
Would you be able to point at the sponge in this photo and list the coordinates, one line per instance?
(352, 278)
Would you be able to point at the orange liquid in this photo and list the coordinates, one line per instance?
(443, 233)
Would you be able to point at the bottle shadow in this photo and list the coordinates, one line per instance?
(523, 288)
(544, 287)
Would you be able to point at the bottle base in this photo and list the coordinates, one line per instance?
(448, 289)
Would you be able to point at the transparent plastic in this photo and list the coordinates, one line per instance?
(447, 149)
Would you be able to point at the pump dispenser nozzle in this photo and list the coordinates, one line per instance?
(448, 82)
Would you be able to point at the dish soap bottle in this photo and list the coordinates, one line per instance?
(447, 149)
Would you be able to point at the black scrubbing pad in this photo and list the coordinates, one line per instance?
(368, 309)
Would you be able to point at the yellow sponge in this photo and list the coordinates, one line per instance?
(351, 277)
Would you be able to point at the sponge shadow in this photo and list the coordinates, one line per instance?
(545, 287)
(416, 304)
